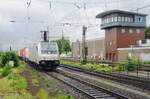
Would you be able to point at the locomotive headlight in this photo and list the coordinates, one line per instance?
(57, 62)
(42, 62)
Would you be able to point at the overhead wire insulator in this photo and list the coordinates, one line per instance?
(28, 3)
(50, 4)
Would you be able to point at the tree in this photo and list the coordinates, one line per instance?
(147, 32)
(63, 45)
(10, 56)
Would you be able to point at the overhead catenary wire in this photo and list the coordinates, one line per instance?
(72, 3)
(140, 8)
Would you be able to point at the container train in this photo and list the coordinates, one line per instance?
(43, 55)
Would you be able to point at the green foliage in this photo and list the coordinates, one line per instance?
(42, 94)
(47, 83)
(18, 96)
(120, 67)
(147, 32)
(6, 70)
(35, 81)
(5, 85)
(63, 45)
(87, 66)
(132, 64)
(20, 84)
(62, 96)
(10, 56)
(148, 62)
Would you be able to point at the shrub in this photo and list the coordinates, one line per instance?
(10, 56)
(132, 64)
(119, 67)
(42, 94)
(6, 70)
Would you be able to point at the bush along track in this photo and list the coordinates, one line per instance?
(18, 81)
(128, 65)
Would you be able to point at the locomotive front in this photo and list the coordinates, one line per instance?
(49, 55)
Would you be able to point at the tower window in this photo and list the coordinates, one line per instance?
(112, 19)
(122, 19)
(115, 19)
(126, 19)
(110, 43)
(119, 19)
(131, 19)
(130, 31)
(137, 30)
(123, 30)
(139, 19)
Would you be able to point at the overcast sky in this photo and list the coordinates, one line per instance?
(44, 14)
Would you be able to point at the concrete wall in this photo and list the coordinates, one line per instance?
(96, 47)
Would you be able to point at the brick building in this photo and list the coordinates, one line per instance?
(122, 29)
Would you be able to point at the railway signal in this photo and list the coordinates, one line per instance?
(84, 46)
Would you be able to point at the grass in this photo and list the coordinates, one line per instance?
(5, 86)
(42, 94)
(12, 84)
(18, 96)
(35, 82)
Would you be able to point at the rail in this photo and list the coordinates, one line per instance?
(139, 82)
(92, 91)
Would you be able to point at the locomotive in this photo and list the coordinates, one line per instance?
(43, 54)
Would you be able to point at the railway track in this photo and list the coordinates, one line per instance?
(92, 91)
(138, 82)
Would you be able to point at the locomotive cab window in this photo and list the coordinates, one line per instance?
(48, 48)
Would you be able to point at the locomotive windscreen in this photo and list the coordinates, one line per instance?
(48, 48)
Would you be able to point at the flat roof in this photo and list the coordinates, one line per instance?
(118, 11)
(134, 48)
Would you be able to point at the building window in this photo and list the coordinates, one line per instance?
(126, 19)
(112, 19)
(139, 19)
(130, 31)
(122, 18)
(115, 19)
(131, 19)
(107, 20)
(110, 43)
(123, 30)
(119, 19)
(138, 31)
